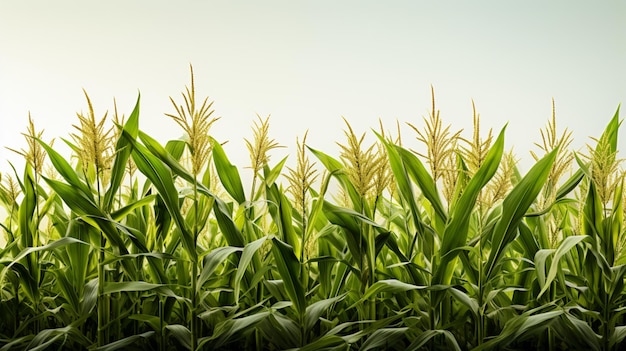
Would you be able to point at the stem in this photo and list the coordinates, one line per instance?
(304, 226)
(102, 301)
(17, 320)
(371, 255)
(607, 328)
(194, 273)
(252, 190)
(303, 271)
(194, 302)
(38, 253)
(161, 334)
(101, 304)
(481, 321)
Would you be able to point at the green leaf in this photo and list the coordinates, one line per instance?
(420, 175)
(175, 148)
(466, 300)
(90, 297)
(270, 175)
(384, 338)
(161, 176)
(181, 333)
(326, 342)
(611, 133)
(518, 326)
(153, 321)
(125, 343)
(232, 329)
(390, 286)
(27, 210)
(580, 333)
(336, 169)
(515, 206)
(567, 244)
(541, 257)
(618, 335)
(124, 211)
(66, 171)
(570, 184)
(315, 310)
(213, 260)
(47, 337)
(562, 192)
(228, 173)
(221, 210)
(122, 153)
(289, 269)
(89, 212)
(282, 214)
(170, 154)
(246, 257)
(281, 331)
(115, 287)
(427, 335)
(52, 245)
(455, 233)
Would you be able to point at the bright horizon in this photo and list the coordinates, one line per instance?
(309, 64)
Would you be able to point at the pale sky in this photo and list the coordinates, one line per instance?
(309, 63)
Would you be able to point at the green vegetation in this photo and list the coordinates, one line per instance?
(132, 245)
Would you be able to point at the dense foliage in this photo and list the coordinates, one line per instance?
(131, 244)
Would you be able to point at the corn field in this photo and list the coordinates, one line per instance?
(130, 244)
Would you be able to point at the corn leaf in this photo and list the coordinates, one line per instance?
(455, 233)
(389, 286)
(116, 287)
(289, 269)
(213, 260)
(315, 310)
(66, 171)
(161, 176)
(281, 211)
(126, 343)
(428, 335)
(228, 173)
(246, 257)
(122, 153)
(231, 329)
(222, 212)
(181, 333)
(420, 175)
(384, 338)
(515, 206)
(519, 326)
(567, 244)
(336, 169)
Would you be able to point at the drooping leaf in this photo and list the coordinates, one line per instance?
(116, 287)
(161, 176)
(246, 257)
(384, 338)
(420, 175)
(125, 343)
(228, 173)
(232, 329)
(315, 310)
(567, 244)
(213, 260)
(425, 337)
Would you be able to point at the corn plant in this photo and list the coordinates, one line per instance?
(129, 243)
